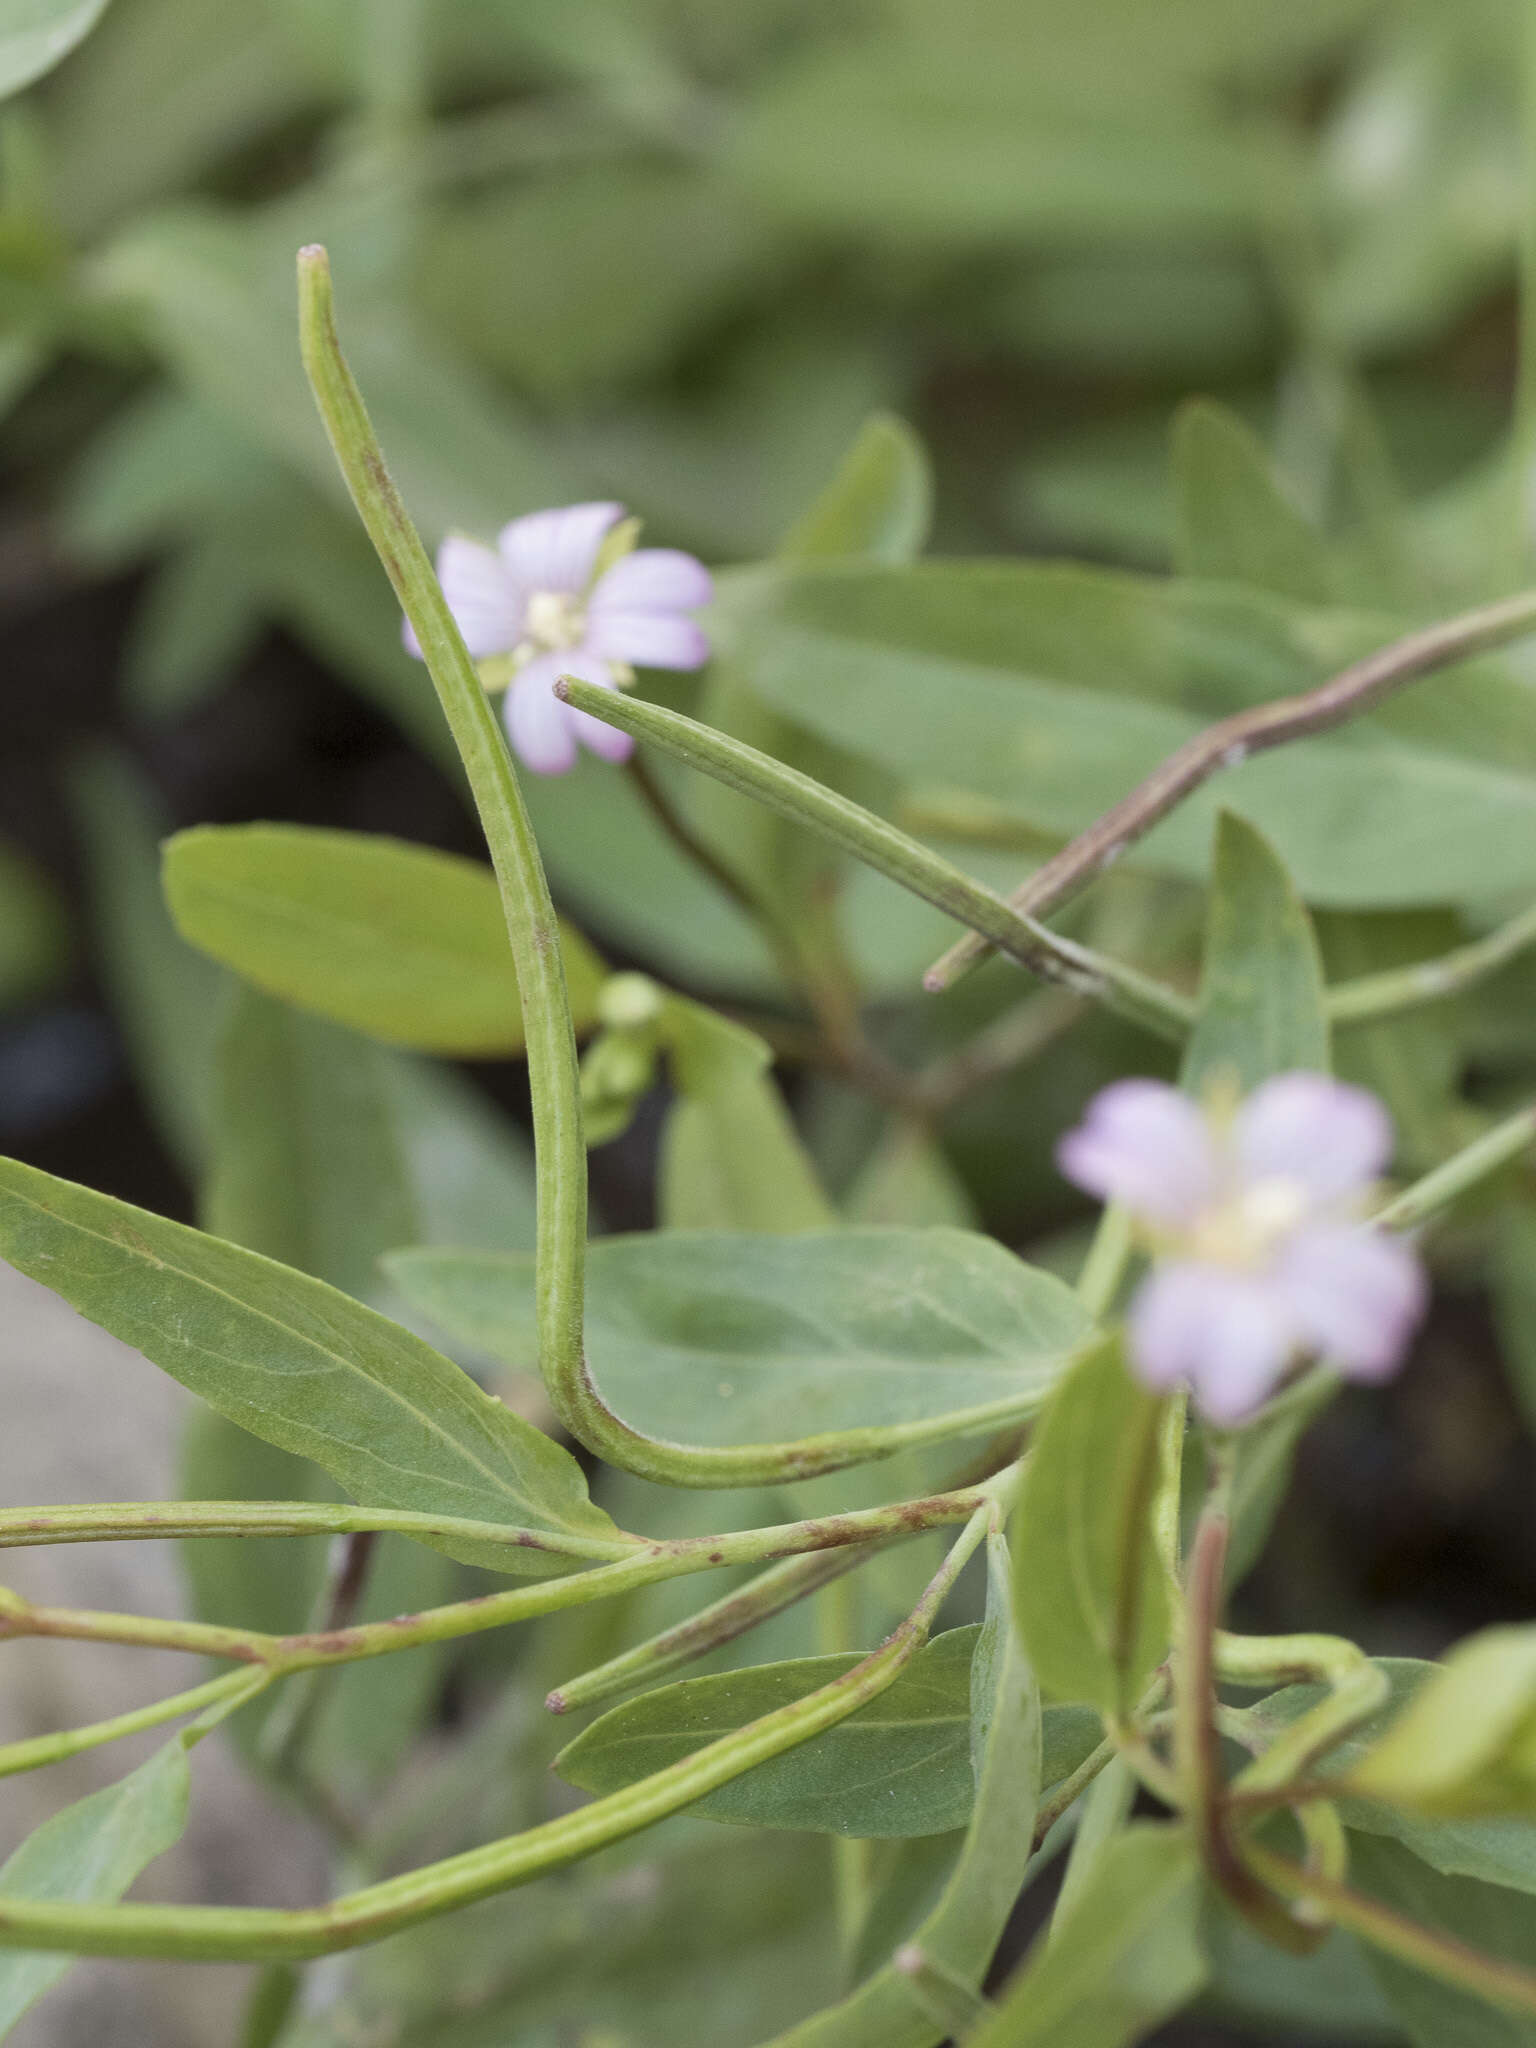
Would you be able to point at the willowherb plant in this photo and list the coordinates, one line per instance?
(912, 1393)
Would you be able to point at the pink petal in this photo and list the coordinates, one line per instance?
(653, 580)
(557, 550)
(1356, 1294)
(482, 600)
(1146, 1145)
(603, 739)
(538, 724)
(647, 639)
(1226, 1333)
(1332, 1138)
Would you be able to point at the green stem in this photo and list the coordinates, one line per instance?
(881, 846)
(235, 1933)
(40, 1750)
(1505, 1984)
(781, 1586)
(1372, 996)
(553, 1078)
(107, 1521)
(1108, 1256)
(662, 1560)
(1357, 1690)
(947, 2000)
(1478, 1162)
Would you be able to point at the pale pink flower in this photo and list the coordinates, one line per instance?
(1254, 1219)
(537, 597)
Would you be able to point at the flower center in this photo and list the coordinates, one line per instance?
(553, 619)
(1245, 1229)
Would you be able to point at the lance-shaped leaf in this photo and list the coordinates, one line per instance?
(730, 1156)
(962, 1929)
(38, 34)
(1234, 522)
(711, 1337)
(1466, 1742)
(399, 941)
(1124, 1955)
(90, 1853)
(1261, 989)
(900, 1766)
(294, 1361)
(1092, 1594)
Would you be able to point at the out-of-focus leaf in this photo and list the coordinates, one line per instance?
(299, 1364)
(1261, 991)
(962, 1929)
(168, 996)
(942, 143)
(89, 1854)
(1331, 1991)
(1413, 1062)
(715, 1338)
(875, 507)
(582, 279)
(1234, 521)
(1514, 1281)
(1465, 1745)
(1093, 1600)
(908, 1180)
(1053, 690)
(199, 615)
(1483, 1916)
(216, 296)
(34, 940)
(307, 1168)
(1155, 310)
(400, 941)
(626, 1948)
(730, 1156)
(37, 34)
(1497, 1850)
(1125, 1954)
(902, 1766)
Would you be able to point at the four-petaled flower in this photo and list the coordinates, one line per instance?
(538, 597)
(1253, 1217)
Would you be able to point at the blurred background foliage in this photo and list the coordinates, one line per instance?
(680, 253)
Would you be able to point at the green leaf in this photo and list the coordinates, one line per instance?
(299, 1364)
(89, 1854)
(1261, 990)
(36, 34)
(935, 145)
(908, 1180)
(730, 1156)
(715, 1338)
(167, 997)
(963, 1928)
(307, 1168)
(1483, 1916)
(34, 941)
(1125, 1955)
(1465, 1744)
(1051, 690)
(878, 505)
(1514, 1296)
(577, 279)
(900, 1767)
(1093, 1600)
(1500, 1850)
(1234, 521)
(399, 941)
